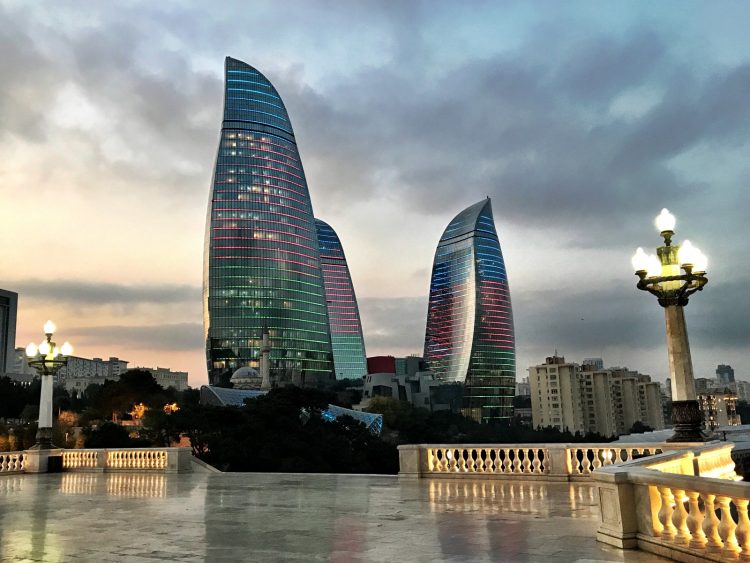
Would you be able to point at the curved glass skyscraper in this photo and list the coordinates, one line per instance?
(346, 329)
(469, 337)
(261, 261)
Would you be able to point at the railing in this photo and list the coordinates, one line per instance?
(552, 462)
(667, 505)
(11, 462)
(165, 460)
(80, 459)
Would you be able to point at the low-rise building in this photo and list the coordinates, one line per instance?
(168, 378)
(420, 389)
(80, 372)
(719, 408)
(523, 388)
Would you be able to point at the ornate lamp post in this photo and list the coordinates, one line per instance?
(47, 359)
(673, 275)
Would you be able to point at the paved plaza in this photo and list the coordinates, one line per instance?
(279, 517)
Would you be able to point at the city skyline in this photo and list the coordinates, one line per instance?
(580, 122)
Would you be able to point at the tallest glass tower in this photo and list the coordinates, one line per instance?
(262, 266)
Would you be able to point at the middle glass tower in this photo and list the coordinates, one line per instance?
(262, 267)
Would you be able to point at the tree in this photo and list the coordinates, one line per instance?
(639, 428)
(110, 435)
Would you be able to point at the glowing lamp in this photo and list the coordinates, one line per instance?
(640, 260)
(31, 350)
(701, 262)
(653, 267)
(665, 221)
(49, 327)
(44, 348)
(55, 352)
(687, 254)
(67, 349)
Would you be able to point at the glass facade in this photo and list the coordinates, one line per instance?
(469, 337)
(349, 356)
(261, 261)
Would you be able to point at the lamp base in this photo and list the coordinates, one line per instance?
(43, 440)
(688, 422)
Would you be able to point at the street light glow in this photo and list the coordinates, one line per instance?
(665, 221)
(67, 349)
(639, 260)
(687, 253)
(701, 263)
(49, 327)
(31, 350)
(44, 348)
(653, 266)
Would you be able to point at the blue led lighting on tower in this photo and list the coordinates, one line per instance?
(261, 261)
(469, 337)
(349, 356)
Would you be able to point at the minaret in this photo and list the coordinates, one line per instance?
(265, 363)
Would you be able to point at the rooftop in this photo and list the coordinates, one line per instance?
(269, 517)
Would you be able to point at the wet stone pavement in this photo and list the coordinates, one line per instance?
(227, 517)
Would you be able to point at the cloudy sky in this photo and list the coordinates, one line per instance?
(580, 119)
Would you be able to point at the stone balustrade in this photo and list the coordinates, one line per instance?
(160, 460)
(12, 462)
(550, 462)
(686, 505)
(165, 460)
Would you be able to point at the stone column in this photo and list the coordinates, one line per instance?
(44, 431)
(680, 362)
(686, 414)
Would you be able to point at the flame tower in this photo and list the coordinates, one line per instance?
(469, 337)
(346, 328)
(261, 262)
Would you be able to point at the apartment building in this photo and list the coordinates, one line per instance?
(589, 399)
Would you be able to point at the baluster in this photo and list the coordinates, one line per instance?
(597, 461)
(665, 513)
(695, 521)
(526, 464)
(516, 461)
(711, 523)
(586, 461)
(727, 526)
(679, 517)
(743, 527)
(536, 465)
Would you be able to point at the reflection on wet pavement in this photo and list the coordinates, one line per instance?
(266, 517)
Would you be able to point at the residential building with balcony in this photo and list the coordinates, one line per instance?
(585, 399)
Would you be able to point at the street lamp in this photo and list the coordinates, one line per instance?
(47, 359)
(662, 275)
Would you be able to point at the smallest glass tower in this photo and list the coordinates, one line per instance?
(349, 358)
(469, 337)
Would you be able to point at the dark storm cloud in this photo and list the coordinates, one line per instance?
(176, 337)
(619, 315)
(97, 293)
(536, 136)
